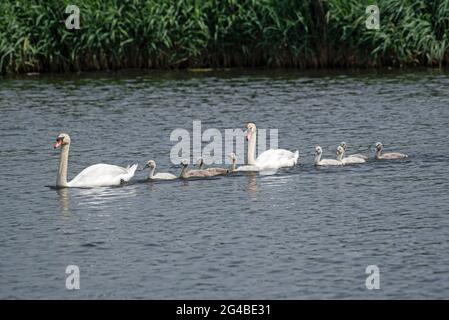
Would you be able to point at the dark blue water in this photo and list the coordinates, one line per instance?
(301, 233)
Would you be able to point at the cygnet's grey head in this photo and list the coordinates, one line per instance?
(184, 163)
(150, 164)
(378, 146)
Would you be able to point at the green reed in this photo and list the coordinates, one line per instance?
(220, 33)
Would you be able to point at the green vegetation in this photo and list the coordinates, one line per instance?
(220, 33)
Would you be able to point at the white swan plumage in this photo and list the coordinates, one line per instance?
(97, 175)
(325, 162)
(234, 168)
(151, 164)
(348, 160)
(269, 159)
(357, 155)
(387, 156)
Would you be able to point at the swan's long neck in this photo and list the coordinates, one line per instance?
(252, 149)
(317, 158)
(378, 153)
(183, 172)
(152, 169)
(340, 155)
(233, 164)
(61, 180)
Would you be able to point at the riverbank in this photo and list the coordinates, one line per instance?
(221, 34)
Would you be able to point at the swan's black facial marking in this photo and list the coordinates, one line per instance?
(151, 164)
(59, 142)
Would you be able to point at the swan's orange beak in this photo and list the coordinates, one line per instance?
(58, 143)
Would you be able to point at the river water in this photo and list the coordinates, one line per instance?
(301, 233)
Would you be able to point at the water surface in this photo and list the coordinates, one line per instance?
(299, 234)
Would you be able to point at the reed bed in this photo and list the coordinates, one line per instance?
(118, 34)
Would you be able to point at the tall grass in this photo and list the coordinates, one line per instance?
(220, 33)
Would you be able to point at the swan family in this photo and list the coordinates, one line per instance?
(103, 175)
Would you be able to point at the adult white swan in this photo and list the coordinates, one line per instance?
(270, 159)
(98, 175)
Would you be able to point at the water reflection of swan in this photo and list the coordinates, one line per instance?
(276, 181)
(107, 195)
(64, 201)
(252, 186)
(98, 175)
